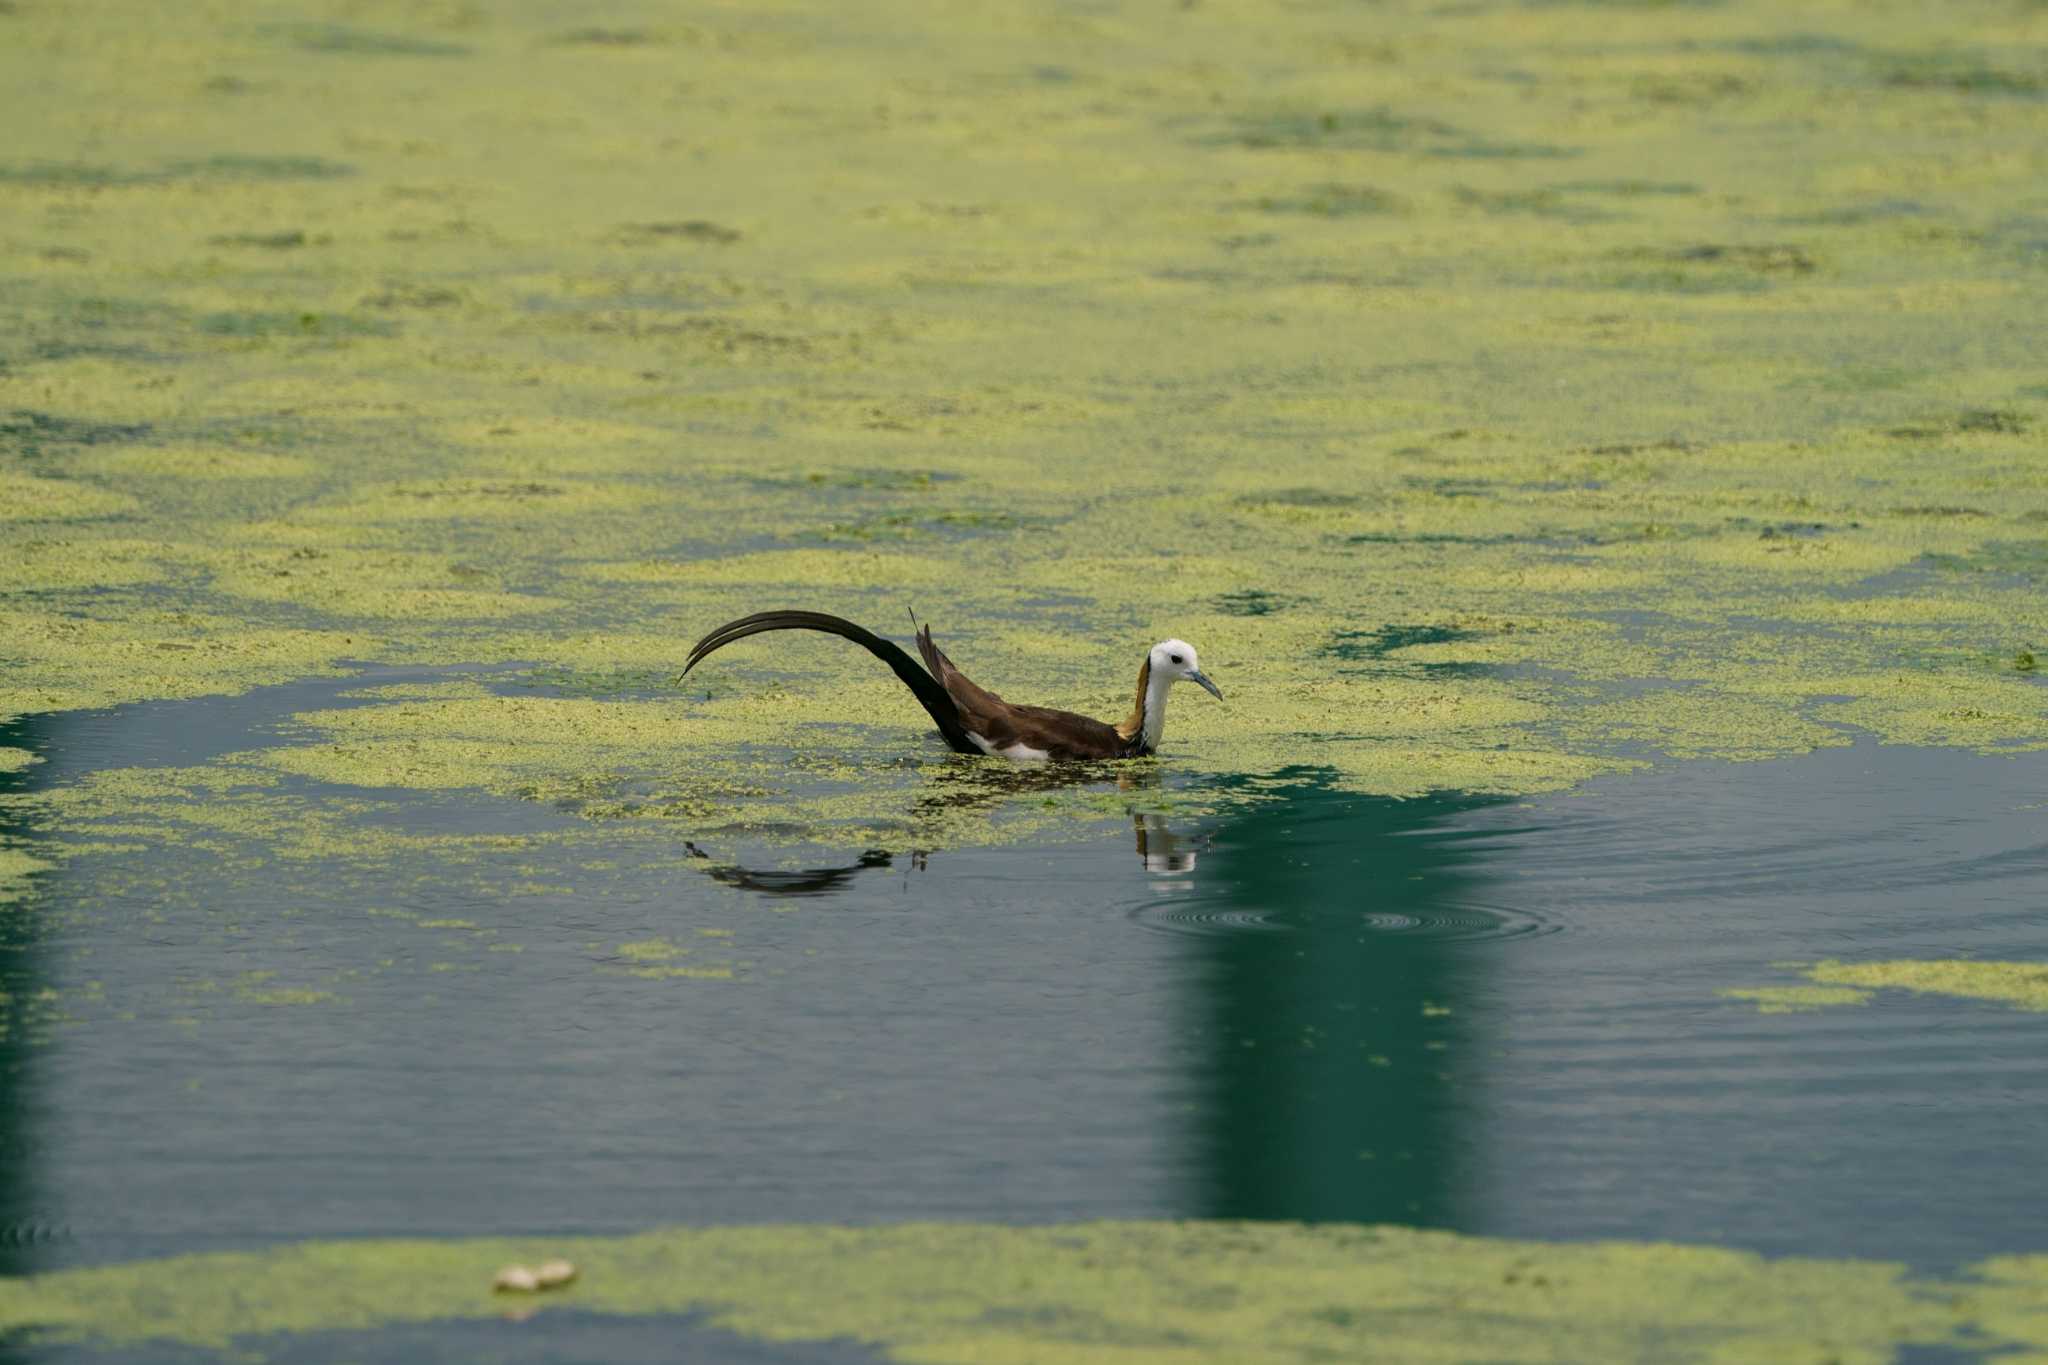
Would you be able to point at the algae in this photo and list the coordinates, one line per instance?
(1091, 1291)
(1742, 403)
(1797, 999)
(17, 868)
(2023, 985)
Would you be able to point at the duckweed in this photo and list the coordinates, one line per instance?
(1462, 354)
(1185, 1291)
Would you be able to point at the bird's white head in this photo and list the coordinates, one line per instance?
(1174, 660)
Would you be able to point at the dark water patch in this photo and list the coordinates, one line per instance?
(954, 524)
(1329, 201)
(1961, 72)
(1789, 530)
(1541, 203)
(1979, 421)
(885, 480)
(2022, 559)
(59, 175)
(1679, 281)
(1668, 445)
(618, 684)
(262, 168)
(1301, 497)
(2023, 237)
(31, 433)
(1452, 488)
(535, 1335)
(267, 241)
(1379, 643)
(1708, 268)
(1631, 189)
(417, 296)
(1793, 45)
(1855, 215)
(1866, 379)
(1770, 258)
(1376, 649)
(1431, 538)
(309, 325)
(1699, 88)
(1378, 129)
(686, 230)
(68, 174)
(606, 37)
(1487, 149)
(1941, 511)
(1255, 602)
(346, 40)
(196, 730)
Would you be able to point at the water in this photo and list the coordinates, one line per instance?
(1488, 1016)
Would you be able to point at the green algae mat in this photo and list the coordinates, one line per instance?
(1105, 1293)
(1441, 374)
(1513, 401)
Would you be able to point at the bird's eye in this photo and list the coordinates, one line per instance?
(1177, 659)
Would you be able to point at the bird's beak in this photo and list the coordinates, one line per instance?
(1198, 676)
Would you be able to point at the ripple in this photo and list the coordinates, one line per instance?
(1195, 917)
(32, 1232)
(1458, 923)
(1445, 924)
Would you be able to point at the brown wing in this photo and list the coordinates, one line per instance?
(1059, 734)
(957, 684)
(1063, 734)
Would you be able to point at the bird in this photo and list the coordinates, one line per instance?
(973, 719)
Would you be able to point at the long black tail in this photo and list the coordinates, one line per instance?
(940, 706)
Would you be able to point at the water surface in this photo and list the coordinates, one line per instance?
(1484, 1015)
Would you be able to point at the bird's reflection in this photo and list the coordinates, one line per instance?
(813, 881)
(968, 785)
(1162, 849)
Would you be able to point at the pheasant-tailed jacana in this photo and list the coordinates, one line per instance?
(975, 720)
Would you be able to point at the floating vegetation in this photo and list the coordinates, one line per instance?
(1442, 389)
(1798, 999)
(1208, 1291)
(2022, 985)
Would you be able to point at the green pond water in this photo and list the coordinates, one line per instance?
(1597, 448)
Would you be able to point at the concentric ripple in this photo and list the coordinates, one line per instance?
(1196, 914)
(1460, 923)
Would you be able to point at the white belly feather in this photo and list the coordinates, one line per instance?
(1019, 752)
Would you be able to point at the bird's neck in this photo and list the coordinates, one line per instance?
(1147, 721)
